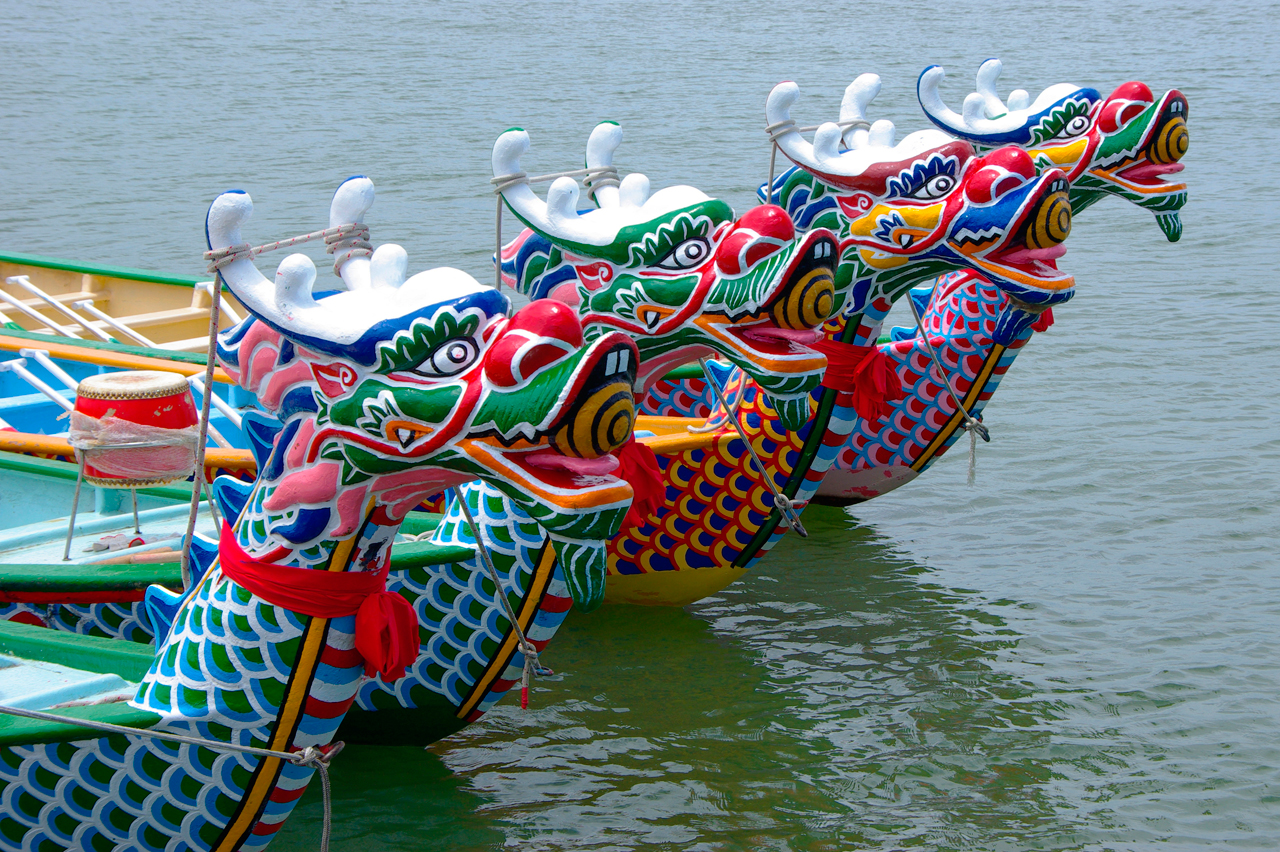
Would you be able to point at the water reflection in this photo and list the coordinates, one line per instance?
(839, 698)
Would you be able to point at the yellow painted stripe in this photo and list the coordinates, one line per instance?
(291, 709)
(528, 608)
(979, 384)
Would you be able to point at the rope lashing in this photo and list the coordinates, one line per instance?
(532, 665)
(343, 241)
(594, 178)
(197, 486)
(312, 757)
(781, 128)
(784, 503)
(971, 424)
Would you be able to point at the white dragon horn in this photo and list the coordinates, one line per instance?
(295, 279)
(288, 303)
(351, 201)
(865, 146)
(984, 116)
(388, 266)
(857, 97)
(561, 220)
(558, 217)
(777, 113)
(604, 140)
(988, 73)
(634, 190)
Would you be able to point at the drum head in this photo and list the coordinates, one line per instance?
(132, 384)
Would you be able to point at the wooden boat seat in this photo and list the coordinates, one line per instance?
(87, 654)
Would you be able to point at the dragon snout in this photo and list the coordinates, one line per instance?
(603, 418)
(1049, 223)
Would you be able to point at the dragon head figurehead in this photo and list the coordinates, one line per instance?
(676, 271)
(1128, 144)
(404, 386)
(927, 204)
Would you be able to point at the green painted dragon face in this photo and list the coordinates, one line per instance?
(394, 392)
(676, 272)
(1128, 145)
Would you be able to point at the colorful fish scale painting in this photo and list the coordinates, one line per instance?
(468, 657)
(235, 668)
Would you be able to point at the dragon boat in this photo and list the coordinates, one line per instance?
(1123, 146)
(748, 289)
(686, 279)
(45, 299)
(264, 653)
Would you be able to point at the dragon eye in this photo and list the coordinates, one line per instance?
(1076, 126)
(451, 357)
(936, 187)
(689, 253)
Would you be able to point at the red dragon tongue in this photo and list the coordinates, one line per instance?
(795, 335)
(601, 466)
(1046, 256)
(1152, 170)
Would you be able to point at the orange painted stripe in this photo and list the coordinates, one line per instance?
(111, 359)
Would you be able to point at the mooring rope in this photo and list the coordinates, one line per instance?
(532, 665)
(971, 424)
(316, 757)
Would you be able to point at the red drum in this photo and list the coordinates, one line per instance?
(115, 410)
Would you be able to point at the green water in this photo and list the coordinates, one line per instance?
(1078, 652)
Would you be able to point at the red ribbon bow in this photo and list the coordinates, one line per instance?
(386, 625)
(866, 373)
(638, 465)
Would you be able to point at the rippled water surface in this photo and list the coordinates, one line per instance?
(1078, 652)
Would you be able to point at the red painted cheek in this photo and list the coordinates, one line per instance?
(1012, 159)
(500, 359)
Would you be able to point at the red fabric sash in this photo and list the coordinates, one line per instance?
(865, 373)
(639, 467)
(1045, 320)
(386, 625)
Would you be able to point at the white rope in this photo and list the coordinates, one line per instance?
(971, 424)
(315, 757)
(782, 501)
(345, 241)
(596, 176)
(197, 486)
(781, 128)
(532, 665)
